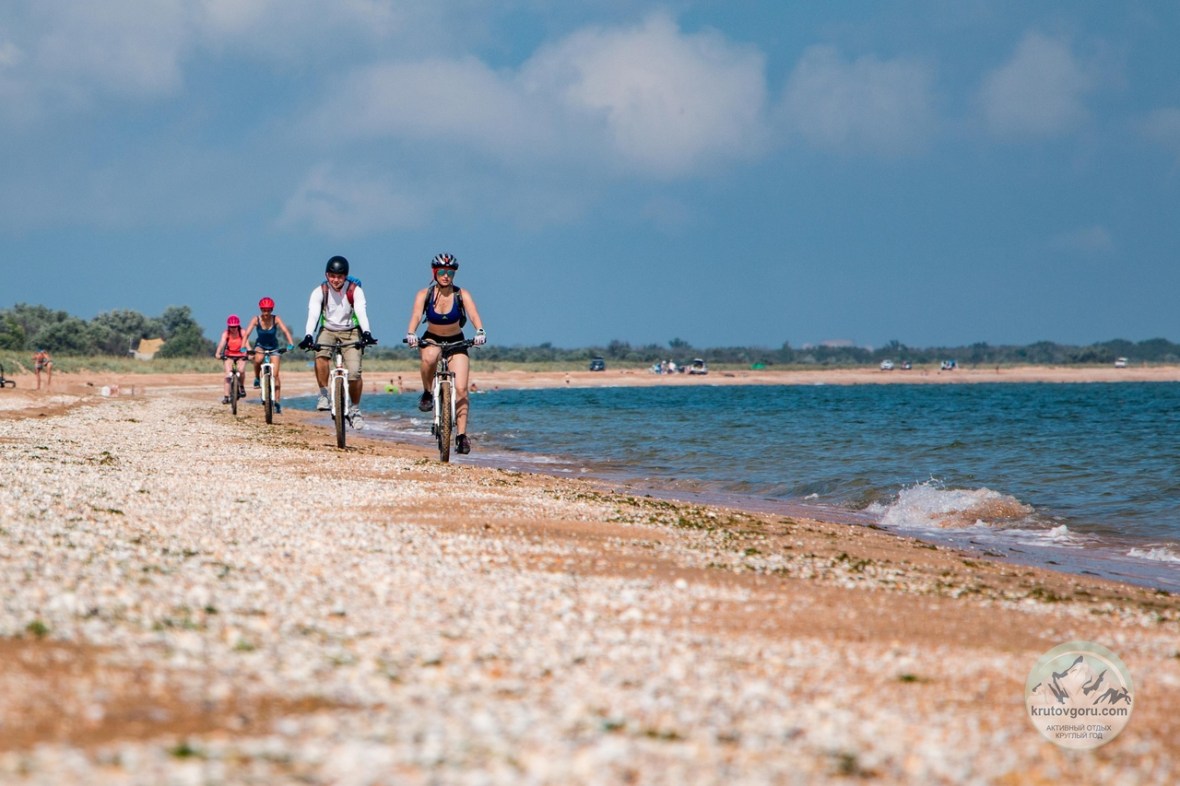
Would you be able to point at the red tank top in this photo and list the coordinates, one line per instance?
(233, 343)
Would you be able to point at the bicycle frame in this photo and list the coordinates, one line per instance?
(339, 403)
(444, 421)
(236, 379)
(266, 372)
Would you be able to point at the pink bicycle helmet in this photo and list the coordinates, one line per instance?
(233, 321)
(266, 303)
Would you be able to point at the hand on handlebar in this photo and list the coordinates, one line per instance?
(367, 339)
(290, 347)
(480, 338)
(411, 339)
(307, 342)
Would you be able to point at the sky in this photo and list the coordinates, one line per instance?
(935, 172)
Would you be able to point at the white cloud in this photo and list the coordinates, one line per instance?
(349, 205)
(1163, 127)
(445, 101)
(865, 105)
(1086, 240)
(668, 102)
(10, 54)
(642, 100)
(122, 47)
(1037, 93)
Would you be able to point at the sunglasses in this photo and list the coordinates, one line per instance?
(445, 271)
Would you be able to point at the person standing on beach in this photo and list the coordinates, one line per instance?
(42, 362)
(337, 314)
(445, 308)
(268, 324)
(232, 348)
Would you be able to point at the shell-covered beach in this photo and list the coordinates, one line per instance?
(190, 597)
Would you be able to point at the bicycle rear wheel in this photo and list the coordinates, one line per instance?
(444, 421)
(268, 395)
(338, 409)
(233, 392)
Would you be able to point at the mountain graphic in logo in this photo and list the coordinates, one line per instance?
(1077, 685)
(1079, 695)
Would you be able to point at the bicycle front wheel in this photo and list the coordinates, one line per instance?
(338, 409)
(268, 396)
(445, 391)
(233, 392)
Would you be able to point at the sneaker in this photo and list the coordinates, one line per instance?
(426, 402)
(225, 399)
(322, 404)
(358, 421)
(257, 384)
(462, 444)
(278, 408)
(241, 394)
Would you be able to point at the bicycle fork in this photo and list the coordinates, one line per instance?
(341, 373)
(441, 378)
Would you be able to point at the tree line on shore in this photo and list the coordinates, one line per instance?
(25, 327)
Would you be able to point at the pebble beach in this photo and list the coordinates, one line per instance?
(190, 597)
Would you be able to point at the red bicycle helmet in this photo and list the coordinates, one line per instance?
(233, 321)
(266, 303)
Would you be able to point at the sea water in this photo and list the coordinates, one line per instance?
(1084, 477)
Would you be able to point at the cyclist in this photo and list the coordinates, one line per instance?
(336, 314)
(42, 362)
(268, 324)
(233, 347)
(446, 309)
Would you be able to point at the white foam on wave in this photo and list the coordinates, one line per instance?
(929, 505)
(1156, 554)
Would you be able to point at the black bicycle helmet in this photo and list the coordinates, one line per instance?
(337, 265)
(445, 260)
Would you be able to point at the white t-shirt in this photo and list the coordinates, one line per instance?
(336, 308)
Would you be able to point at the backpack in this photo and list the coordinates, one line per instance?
(458, 299)
(353, 283)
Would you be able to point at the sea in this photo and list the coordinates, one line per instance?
(1079, 477)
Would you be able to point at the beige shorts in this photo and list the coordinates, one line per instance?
(352, 355)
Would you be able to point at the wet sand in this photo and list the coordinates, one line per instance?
(394, 620)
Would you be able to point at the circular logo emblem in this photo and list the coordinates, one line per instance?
(1078, 695)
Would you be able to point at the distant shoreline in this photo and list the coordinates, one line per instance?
(301, 381)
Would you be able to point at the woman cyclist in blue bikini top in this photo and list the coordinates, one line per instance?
(445, 309)
(267, 325)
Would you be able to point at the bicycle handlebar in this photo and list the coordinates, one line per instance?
(275, 351)
(360, 342)
(445, 345)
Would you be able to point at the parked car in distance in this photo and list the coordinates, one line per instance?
(1120, 362)
(887, 365)
(949, 365)
(906, 365)
(698, 367)
(597, 364)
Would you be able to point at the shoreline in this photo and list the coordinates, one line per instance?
(302, 380)
(1113, 566)
(533, 628)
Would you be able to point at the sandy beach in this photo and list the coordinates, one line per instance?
(191, 597)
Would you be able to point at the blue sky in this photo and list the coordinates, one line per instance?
(727, 173)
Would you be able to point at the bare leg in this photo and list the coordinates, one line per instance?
(461, 365)
(429, 363)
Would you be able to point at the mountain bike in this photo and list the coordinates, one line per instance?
(237, 387)
(443, 391)
(6, 383)
(266, 374)
(339, 400)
